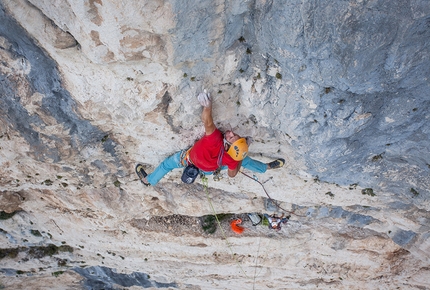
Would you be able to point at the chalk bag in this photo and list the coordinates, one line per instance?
(190, 174)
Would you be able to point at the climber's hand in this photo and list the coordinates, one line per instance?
(204, 99)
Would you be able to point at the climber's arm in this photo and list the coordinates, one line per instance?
(208, 122)
(233, 173)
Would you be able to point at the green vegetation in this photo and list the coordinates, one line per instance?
(368, 191)
(278, 76)
(241, 39)
(9, 253)
(58, 273)
(377, 158)
(65, 248)
(104, 139)
(265, 221)
(414, 192)
(47, 182)
(4, 215)
(329, 194)
(49, 250)
(40, 252)
(35, 233)
(210, 223)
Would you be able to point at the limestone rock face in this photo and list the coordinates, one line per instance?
(337, 88)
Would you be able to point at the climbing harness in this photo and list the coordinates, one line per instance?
(185, 157)
(187, 163)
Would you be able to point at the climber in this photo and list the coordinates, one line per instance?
(210, 154)
(275, 222)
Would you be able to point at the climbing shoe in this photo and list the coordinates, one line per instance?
(278, 163)
(141, 173)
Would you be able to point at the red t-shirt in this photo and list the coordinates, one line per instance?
(206, 151)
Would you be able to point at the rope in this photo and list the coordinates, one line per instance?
(271, 199)
(220, 156)
(256, 259)
(205, 185)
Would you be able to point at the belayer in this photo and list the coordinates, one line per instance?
(210, 154)
(275, 221)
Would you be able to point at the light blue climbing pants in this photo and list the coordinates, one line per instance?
(174, 161)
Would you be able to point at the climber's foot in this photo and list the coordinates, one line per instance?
(142, 174)
(278, 163)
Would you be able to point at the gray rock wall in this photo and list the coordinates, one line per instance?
(369, 63)
(354, 88)
(338, 88)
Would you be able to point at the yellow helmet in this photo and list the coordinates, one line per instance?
(238, 150)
